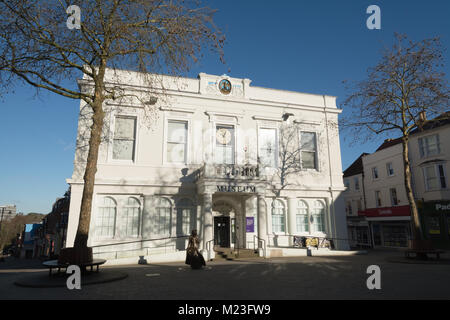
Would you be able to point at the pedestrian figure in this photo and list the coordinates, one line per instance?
(193, 257)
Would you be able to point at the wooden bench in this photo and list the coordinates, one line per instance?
(54, 264)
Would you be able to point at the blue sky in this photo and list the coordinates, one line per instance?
(306, 46)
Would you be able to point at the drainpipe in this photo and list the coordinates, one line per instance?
(329, 166)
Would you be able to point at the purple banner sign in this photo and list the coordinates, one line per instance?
(250, 225)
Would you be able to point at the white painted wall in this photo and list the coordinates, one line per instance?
(200, 103)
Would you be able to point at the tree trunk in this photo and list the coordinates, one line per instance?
(91, 164)
(417, 230)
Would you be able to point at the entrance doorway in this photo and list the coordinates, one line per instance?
(222, 231)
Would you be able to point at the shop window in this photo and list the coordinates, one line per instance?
(106, 218)
(278, 216)
(433, 225)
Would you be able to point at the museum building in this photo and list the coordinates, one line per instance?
(248, 167)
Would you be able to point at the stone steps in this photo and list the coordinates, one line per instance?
(233, 254)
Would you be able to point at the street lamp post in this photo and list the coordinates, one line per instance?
(1, 221)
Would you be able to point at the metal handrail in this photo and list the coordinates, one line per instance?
(208, 244)
(137, 241)
(314, 237)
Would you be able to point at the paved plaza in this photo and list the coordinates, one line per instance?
(333, 277)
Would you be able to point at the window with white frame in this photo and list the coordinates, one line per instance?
(224, 146)
(348, 208)
(278, 216)
(267, 143)
(163, 216)
(374, 173)
(302, 222)
(308, 150)
(358, 205)
(318, 217)
(356, 180)
(429, 145)
(378, 199)
(132, 217)
(347, 184)
(177, 132)
(390, 169)
(394, 199)
(124, 138)
(106, 218)
(435, 178)
(185, 216)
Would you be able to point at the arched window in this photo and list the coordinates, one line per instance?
(278, 216)
(302, 217)
(132, 216)
(318, 217)
(162, 219)
(106, 218)
(185, 217)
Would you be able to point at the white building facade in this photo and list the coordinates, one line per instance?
(211, 161)
(387, 208)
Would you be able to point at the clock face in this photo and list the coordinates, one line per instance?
(225, 86)
(223, 136)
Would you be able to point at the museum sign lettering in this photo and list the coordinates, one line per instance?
(236, 188)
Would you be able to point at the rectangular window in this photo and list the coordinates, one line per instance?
(124, 138)
(429, 145)
(356, 183)
(435, 177)
(349, 208)
(378, 199)
(390, 169)
(308, 150)
(394, 200)
(268, 147)
(177, 141)
(187, 221)
(278, 223)
(225, 148)
(375, 173)
(359, 205)
(132, 221)
(347, 185)
(441, 174)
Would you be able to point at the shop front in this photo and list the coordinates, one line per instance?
(435, 220)
(389, 226)
(358, 232)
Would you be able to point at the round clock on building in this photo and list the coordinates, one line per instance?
(223, 136)
(225, 86)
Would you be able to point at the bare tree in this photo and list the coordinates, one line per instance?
(288, 155)
(405, 86)
(150, 36)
